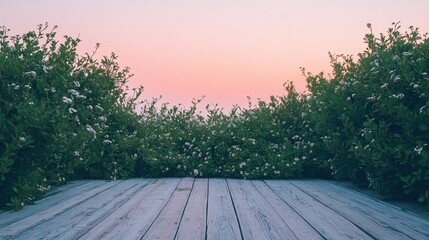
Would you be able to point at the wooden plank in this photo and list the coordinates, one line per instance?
(256, 216)
(193, 223)
(72, 223)
(381, 220)
(132, 219)
(300, 228)
(167, 223)
(53, 197)
(54, 210)
(222, 221)
(327, 222)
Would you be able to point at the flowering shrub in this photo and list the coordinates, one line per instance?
(373, 115)
(63, 116)
(67, 116)
(246, 143)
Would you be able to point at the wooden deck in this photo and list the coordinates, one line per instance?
(189, 208)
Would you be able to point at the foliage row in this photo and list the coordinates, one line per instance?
(66, 116)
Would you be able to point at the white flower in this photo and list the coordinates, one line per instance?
(30, 73)
(67, 100)
(46, 68)
(74, 92)
(22, 139)
(195, 172)
(107, 141)
(242, 164)
(418, 150)
(384, 85)
(72, 110)
(398, 96)
(91, 130)
(76, 83)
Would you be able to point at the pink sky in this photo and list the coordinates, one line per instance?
(225, 50)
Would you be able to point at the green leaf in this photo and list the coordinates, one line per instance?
(423, 127)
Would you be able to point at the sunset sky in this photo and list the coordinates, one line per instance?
(223, 49)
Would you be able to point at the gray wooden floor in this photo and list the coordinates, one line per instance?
(191, 208)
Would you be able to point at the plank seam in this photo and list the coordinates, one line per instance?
(275, 210)
(339, 213)
(118, 206)
(184, 209)
(166, 202)
(235, 209)
(377, 200)
(381, 202)
(311, 225)
(207, 208)
(64, 210)
(57, 234)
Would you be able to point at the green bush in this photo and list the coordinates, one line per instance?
(374, 114)
(64, 116)
(67, 116)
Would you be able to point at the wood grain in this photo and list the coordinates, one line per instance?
(327, 222)
(193, 223)
(134, 218)
(377, 218)
(189, 208)
(258, 219)
(72, 223)
(222, 222)
(166, 224)
(300, 228)
(54, 210)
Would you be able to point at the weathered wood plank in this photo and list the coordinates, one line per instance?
(328, 223)
(132, 219)
(193, 223)
(300, 228)
(48, 213)
(209, 209)
(381, 220)
(256, 216)
(167, 223)
(53, 197)
(222, 221)
(74, 222)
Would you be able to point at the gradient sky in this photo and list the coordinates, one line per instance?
(223, 49)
